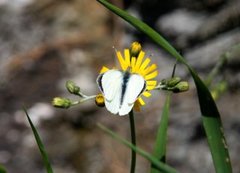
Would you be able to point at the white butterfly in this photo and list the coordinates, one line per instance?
(120, 90)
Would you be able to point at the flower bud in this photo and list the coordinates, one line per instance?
(72, 87)
(99, 100)
(135, 49)
(60, 102)
(181, 87)
(173, 81)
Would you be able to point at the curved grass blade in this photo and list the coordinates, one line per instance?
(40, 145)
(161, 140)
(210, 115)
(2, 169)
(164, 168)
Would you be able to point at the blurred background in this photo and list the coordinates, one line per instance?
(44, 43)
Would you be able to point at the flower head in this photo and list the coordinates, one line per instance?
(99, 100)
(138, 65)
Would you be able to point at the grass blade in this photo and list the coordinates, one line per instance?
(40, 145)
(210, 115)
(159, 165)
(161, 140)
(2, 169)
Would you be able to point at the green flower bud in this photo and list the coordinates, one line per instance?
(173, 81)
(72, 88)
(181, 87)
(60, 102)
(135, 49)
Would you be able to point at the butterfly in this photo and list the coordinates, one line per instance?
(120, 90)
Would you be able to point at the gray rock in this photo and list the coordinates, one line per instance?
(180, 25)
(208, 53)
(224, 19)
(180, 21)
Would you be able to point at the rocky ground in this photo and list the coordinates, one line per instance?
(44, 43)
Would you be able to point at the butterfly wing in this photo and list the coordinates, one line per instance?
(110, 83)
(120, 90)
(135, 86)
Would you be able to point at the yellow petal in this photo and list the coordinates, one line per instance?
(147, 94)
(139, 60)
(149, 69)
(141, 101)
(121, 61)
(133, 63)
(152, 82)
(145, 64)
(104, 69)
(151, 75)
(150, 87)
(127, 57)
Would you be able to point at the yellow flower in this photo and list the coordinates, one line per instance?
(141, 66)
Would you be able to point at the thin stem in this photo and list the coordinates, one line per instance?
(133, 140)
(159, 87)
(83, 100)
(174, 69)
(217, 68)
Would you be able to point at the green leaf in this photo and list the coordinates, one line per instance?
(161, 140)
(2, 169)
(210, 115)
(40, 145)
(157, 164)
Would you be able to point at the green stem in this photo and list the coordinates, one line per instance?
(85, 98)
(233, 52)
(217, 68)
(133, 140)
